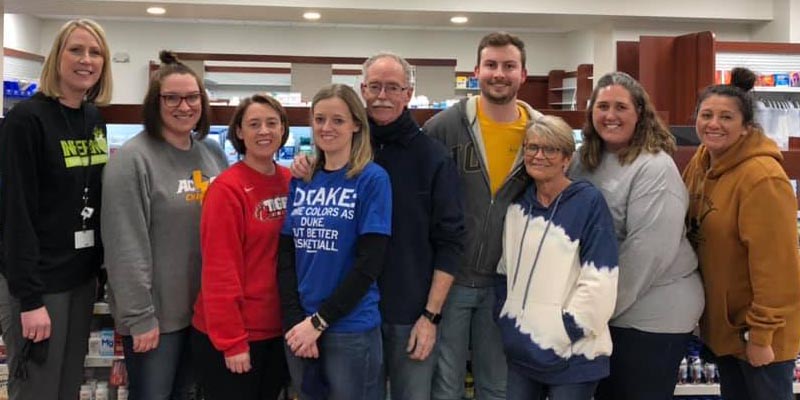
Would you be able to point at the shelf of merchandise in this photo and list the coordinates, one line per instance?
(100, 361)
(704, 389)
(777, 89)
(563, 89)
(468, 88)
(101, 308)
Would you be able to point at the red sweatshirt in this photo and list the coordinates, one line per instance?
(243, 212)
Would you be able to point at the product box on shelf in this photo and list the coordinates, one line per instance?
(782, 80)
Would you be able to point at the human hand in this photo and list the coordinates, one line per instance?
(35, 324)
(301, 166)
(302, 339)
(759, 356)
(421, 340)
(239, 363)
(146, 341)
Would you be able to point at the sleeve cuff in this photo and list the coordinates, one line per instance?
(446, 262)
(30, 303)
(144, 326)
(239, 348)
(761, 337)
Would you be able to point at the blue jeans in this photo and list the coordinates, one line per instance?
(408, 379)
(738, 380)
(164, 373)
(644, 365)
(350, 364)
(521, 387)
(467, 319)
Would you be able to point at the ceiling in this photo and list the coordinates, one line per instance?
(186, 10)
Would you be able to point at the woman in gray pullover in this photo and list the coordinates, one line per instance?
(626, 154)
(152, 189)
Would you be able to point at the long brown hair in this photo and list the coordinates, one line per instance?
(650, 134)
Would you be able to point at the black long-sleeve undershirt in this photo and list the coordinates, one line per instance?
(370, 249)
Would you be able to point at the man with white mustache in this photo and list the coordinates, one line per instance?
(427, 227)
(484, 134)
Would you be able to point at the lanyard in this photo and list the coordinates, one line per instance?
(86, 211)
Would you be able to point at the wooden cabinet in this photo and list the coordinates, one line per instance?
(569, 90)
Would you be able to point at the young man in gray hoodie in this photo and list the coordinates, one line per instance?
(484, 134)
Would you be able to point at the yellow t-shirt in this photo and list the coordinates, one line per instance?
(502, 141)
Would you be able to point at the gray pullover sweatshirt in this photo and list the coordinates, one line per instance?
(659, 287)
(152, 195)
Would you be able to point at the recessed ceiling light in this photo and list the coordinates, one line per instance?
(156, 10)
(312, 16)
(459, 19)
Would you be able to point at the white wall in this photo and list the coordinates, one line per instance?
(22, 32)
(728, 9)
(142, 40)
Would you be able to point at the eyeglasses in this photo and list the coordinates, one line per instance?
(174, 100)
(391, 89)
(547, 151)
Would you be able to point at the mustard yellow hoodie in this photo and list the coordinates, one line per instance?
(742, 222)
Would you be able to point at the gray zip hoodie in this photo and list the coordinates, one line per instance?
(459, 130)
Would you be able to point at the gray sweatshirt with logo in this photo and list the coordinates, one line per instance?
(152, 195)
(659, 287)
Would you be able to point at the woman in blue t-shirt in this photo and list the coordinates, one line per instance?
(331, 252)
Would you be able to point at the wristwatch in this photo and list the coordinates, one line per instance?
(318, 323)
(745, 335)
(434, 318)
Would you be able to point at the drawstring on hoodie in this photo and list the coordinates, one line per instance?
(538, 250)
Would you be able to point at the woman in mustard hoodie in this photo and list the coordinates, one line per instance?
(742, 223)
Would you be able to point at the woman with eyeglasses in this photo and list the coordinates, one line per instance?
(557, 277)
(626, 154)
(52, 151)
(153, 190)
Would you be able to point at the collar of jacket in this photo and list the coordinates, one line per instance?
(401, 130)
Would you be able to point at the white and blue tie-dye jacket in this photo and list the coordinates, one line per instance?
(557, 285)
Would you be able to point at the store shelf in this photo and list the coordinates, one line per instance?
(563, 89)
(777, 89)
(468, 88)
(100, 361)
(708, 389)
(101, 308)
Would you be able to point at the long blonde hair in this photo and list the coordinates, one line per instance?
(360, 148)
(50, 78)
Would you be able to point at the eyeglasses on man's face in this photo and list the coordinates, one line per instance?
(391, 89)
(548, 151)
(174, 100)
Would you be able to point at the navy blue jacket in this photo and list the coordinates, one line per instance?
(427, 216)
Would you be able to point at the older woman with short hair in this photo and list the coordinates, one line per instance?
(558, 275)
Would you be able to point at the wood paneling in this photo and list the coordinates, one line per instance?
(22, 54)
(428, 62)
(299, 116)
(655, 69)
(628, 58)
(758, 47)
(247, 70)
(584, 85)
(534, 91)
(221, 115)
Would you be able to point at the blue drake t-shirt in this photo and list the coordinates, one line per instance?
(326, 216)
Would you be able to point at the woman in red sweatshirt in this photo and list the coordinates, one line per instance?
(237, 338)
